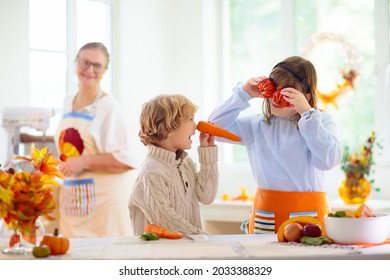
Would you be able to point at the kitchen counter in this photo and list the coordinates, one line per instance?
(262, 246)
(225, 217)
(377, 206)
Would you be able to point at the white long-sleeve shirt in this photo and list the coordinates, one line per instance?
(283, 155)
(168, 191)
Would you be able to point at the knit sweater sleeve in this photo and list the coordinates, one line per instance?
(207, 178)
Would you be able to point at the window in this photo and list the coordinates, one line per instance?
(331, 57)
(247, 51)
(55, 38)
(254, 27)
(256, 34)
(48, 52)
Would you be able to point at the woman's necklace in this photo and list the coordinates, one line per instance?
(79, 105)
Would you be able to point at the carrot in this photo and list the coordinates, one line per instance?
(212, 129)
(162, 232)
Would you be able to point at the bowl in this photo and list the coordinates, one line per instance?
(372, 230)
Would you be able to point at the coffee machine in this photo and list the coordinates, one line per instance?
(16, 119)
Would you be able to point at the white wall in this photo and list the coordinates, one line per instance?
(14, 59)
(14, 53)
(159, 51)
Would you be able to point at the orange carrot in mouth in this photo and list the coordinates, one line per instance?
(212, 129)
(162, 232)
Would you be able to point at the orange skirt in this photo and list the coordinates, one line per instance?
(271, 208)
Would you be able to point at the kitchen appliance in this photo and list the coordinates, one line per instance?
(15, 119)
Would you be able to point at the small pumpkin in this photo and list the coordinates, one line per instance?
(58, 244)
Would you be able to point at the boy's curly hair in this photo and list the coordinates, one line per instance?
(162, 115)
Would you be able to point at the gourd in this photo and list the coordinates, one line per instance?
(58, 244)
(41, 251)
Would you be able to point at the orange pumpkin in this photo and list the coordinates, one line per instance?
(58, 244)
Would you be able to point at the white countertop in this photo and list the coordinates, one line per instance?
(260, 246)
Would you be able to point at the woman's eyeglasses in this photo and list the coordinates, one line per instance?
(85, 64)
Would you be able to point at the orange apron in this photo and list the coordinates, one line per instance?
(271, 208)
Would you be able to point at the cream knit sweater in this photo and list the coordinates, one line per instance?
(168, 191)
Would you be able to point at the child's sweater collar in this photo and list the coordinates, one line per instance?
(165, 156)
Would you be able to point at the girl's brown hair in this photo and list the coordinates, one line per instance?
(162, 115)
(295, 72)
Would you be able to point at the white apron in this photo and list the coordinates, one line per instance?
(90, 202)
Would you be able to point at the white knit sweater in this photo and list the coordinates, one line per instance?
(168, 191)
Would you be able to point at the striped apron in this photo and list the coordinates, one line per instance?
(271, 208)
(91, 203)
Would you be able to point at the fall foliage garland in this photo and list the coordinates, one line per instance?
(349, 73)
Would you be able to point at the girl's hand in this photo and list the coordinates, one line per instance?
(251, 86)
(297, 99)
(206, 140)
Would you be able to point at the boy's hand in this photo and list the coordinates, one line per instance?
(251, 86)
(206, 140)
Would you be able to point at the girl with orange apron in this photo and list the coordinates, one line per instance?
(287, 158)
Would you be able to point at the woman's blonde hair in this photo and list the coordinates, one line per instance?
(162, 115)
(295, 72)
